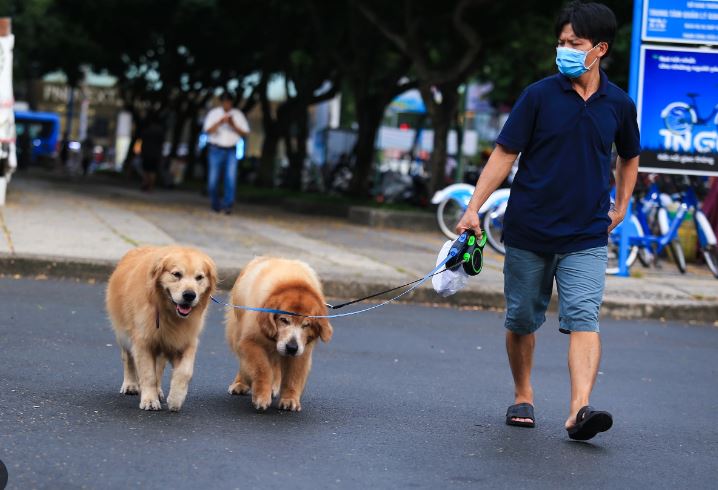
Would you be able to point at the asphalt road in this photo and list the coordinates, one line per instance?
(406, 396)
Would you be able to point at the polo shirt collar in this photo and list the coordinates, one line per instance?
(565, 83)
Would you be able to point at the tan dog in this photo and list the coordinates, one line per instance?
(157, 299)
(275, 350)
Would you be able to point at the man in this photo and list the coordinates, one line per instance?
(224, 126)
(559, 214)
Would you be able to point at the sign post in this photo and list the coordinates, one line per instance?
(8, 158)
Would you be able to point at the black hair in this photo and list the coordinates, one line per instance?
(226, 96)
(593, 21)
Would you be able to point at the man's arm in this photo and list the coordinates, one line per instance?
(237, 129)
(626, 173)
(211, 127)
(242, 128)
(494, 173)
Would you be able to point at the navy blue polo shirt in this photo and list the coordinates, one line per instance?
(560, 196)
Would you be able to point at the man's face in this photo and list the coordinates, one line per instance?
(568, 39)
(226, 104)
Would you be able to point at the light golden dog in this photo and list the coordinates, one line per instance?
(157, 299)
(275, 350)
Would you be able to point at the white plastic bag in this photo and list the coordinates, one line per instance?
(450, 281)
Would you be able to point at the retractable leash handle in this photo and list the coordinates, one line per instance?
(469, 252)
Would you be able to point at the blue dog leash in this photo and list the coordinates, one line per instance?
(466, 250)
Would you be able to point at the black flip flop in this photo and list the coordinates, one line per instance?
(520, 411)
(589, 422)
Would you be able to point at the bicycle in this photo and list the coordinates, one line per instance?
(680, 117)
(647, 246)
(707, 242)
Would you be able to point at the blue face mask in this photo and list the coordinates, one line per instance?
(572, 62)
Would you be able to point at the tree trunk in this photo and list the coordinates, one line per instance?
(265, 175)
(272, 135)
(194, 130)
(369, 115)
(295, 138)
(442, 114)
(177, 130)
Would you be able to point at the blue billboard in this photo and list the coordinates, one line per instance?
(680, 21)
(678, 110)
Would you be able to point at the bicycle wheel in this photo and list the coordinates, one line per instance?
(448, 215)
(710, 255)
(614, 240)
(494, 227)
(675, 247)
(678, 256)
(707, 241)
(678, 118)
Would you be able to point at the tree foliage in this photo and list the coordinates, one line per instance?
(171, 56)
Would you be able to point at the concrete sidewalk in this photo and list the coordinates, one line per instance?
(80, 229)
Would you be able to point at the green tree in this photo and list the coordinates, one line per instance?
(443, 43)
(373, 70)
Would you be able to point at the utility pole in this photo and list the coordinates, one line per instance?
(8, 159)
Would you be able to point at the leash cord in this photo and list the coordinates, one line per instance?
(416, 284)
(342, 305)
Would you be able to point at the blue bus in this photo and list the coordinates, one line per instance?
(37, 132)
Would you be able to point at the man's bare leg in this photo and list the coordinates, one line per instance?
(520, 349)
(584, 357)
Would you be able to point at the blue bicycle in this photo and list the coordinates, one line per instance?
(651, 231)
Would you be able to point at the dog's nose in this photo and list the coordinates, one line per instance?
(189, 296)
(292, 347)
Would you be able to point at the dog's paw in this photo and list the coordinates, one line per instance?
(150, 404)
(129, 388)
(261, 403)
(174, 403)
(291, 404)
(238, 388)
(161, 394)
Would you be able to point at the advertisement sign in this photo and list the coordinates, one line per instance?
(678, 110)
(680, 21)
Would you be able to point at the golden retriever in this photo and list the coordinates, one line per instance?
(275, 350)
(157, 299)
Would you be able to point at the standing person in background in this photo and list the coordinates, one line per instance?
(153, 140)
(224, 126)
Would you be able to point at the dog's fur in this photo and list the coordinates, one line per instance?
(149, 301)
(264, 341)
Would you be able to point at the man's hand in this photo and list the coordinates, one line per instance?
(616, 218)
(469, 221)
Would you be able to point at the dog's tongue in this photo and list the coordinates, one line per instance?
(184, 309)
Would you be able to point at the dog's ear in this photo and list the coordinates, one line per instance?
(158, 267)
(324, 328)
(268, 324)
(211, 273)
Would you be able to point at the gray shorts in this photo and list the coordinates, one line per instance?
(528, 283)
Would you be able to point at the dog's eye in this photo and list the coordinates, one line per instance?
(283, 321)
(178, 275)
(199, 278)
(306, 325)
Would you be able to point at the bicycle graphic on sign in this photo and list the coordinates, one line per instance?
(680, 117)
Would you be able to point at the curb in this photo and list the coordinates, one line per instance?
(382, 218)
(629, 309)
